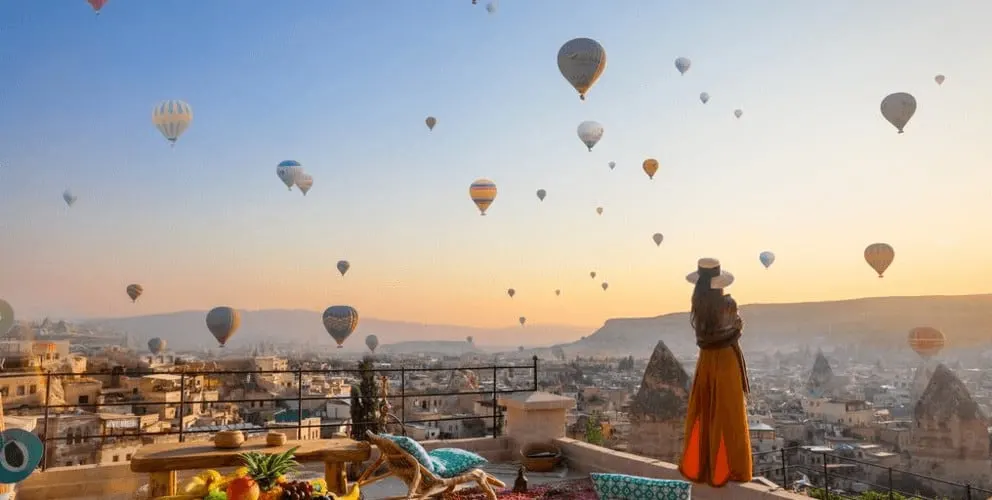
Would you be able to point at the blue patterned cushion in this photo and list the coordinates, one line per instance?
(624, 487)
(450, 462)
(413, 448)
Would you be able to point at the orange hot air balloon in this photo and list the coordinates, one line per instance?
(926, 341)
(879, 256)
(483, 192)
(650, 167)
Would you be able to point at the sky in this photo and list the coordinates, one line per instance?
(811, 171)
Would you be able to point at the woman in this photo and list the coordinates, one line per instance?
(717, 445)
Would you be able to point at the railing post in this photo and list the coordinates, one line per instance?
(826, 478)
(785, 469)
(967, 492)
(891, 493)
(182, 405)
(495, 402)
(44, 443)
(299, 402)
(535, 373)
(402, 400)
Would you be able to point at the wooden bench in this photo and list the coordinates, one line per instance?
(161, 461)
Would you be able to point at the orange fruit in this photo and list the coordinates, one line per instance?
(243, 488)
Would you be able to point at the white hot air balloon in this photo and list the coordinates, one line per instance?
(305, 182)
(682, 64)
(289, 171)
(705, 97)
(590, 133)
(898, 108)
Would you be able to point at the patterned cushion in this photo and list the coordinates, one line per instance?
(450, 462)
(413, 448)
(624, 487)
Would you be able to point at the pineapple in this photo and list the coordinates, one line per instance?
(266, 469)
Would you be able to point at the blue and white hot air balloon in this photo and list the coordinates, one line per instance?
(289, 172)
(172, 118)
(767, 259)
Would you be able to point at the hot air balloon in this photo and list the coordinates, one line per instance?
(156, 345)
(939, 79)
(97, 5)
(592, 274)
(599, 210)
(541, 194)
(704, 97)
(581, 61)
(605, 286)
(879, 257)
(491, 7)
(222, 323)
(469, 339)
(558, 293)
(6, 317)
(898, 108)
(340, 321)
(289, 171)
(343, 267)
(590, 133)
(612, 165)
(767, 259)
(483, 193)
(658, 238)
(371, 341)
(738, 113)
(650, 167)
(511, 292)
(68, 197)
(522, 320)
(430, 121)
(134, 291)
(172, 118)
(305, 182)
(682, 64)
(926, 341)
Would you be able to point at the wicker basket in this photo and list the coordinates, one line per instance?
(540, 457)
(229, 439)
(275, 439)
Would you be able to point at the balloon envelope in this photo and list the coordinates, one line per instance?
(134, 291)
(469, 339)
(372, 342)
(558, 292)
(599, 210)
(581, 61)
(430, 121)
(879, 256)
(523, 320)
(343, 267)
(222, 323)
(305, 182)
(605, 286)
(172, 118)
(511, 292)
(766, 258)
(6, 317)
(650, 167)
(483, 193)
(340, 322)
(97, 4)
(541, 194)
(592, 274)
(682, 64)
(704, 97)
(898, 108)
(926, 341)
(939, 79)
(156, 345)
(658, 238)
(613, 165)
(289, 171)
(590, 133)
(68, 197)
(738, 113)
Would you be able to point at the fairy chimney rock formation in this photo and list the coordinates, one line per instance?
(921, 379)
(821, 378)
(657, 413)
(950, 437)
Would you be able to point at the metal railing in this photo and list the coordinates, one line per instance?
(833, 476)
(402, 374)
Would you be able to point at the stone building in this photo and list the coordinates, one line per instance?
(821, 383)
(657, 413)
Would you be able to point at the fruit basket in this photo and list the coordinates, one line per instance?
(540, 457)
(264, 476)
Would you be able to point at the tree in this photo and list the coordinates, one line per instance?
(365, 402)
(594, 429)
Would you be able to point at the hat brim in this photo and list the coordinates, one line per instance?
(724, 280)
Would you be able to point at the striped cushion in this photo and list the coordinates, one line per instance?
(624, 487)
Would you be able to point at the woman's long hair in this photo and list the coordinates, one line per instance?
(708, 307)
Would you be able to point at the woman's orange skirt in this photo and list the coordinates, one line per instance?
(717, 443)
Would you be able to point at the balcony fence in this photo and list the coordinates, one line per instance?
(834, 476)
(402, 374)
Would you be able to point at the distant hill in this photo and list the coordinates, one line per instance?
(966, 320)
(187, 330)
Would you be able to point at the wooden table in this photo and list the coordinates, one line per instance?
(162, 461)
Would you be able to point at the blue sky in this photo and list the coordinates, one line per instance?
(811, 171)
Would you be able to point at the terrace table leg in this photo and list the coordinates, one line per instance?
(162, 484)
(337, 482)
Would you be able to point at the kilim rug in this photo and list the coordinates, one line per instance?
(576, 489)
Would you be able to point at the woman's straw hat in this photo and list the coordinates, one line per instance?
(710, 268)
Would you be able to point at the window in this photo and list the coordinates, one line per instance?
(20, 390)
(84, 400)
(4, 391)
(69, 463)
(117, 458)
(128, 456)
(33, 388)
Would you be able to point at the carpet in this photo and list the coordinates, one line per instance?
(576, 489)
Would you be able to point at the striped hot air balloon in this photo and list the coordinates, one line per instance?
(880, 256)
(134, 291)
(340, 322)
(483, 193)
(172, 118)
(926, 341)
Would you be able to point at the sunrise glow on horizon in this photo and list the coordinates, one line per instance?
(811, 171)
